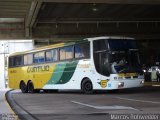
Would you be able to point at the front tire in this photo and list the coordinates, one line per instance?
(23, 87)
(87, 86)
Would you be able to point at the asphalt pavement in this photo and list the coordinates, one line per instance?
(74, 105)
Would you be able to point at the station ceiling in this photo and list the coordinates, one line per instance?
(49, 19)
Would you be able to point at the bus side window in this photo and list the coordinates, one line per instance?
(35, 58)
(25, 59)
(100, 55)
(66, 53)
(52, 55)
(49, 56)
(69, 52)
(28, 59)
(62, 54)
(55, 54)
(39, 57)
(82, 51)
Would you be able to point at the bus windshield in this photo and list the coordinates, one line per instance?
(124, 61)
(116, 56)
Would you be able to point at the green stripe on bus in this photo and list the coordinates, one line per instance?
(63, 72)
(57, 73)
(68, 72)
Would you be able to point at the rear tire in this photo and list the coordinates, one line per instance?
(87, 86)
(31, 87)
(23, 87)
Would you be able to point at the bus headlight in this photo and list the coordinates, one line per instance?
(142, 82)
(144, 71)
(120, 84)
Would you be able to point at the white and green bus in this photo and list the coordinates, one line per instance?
(99, 63)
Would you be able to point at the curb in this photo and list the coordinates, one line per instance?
(19, 110)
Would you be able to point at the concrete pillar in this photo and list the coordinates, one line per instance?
(2, 71)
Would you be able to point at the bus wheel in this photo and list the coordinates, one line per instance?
(23, 87)
(31, 87)
(87, 86)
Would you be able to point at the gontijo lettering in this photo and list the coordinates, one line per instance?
(38, 69)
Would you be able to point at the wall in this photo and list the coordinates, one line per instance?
(6, 48)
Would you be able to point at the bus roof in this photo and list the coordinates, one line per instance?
(46, 47)
(66, 44)
(110, 37)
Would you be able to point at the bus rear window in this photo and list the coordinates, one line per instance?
(11, 62)
(18, 61)
(15, 61)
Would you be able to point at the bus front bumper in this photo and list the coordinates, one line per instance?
(122, 84)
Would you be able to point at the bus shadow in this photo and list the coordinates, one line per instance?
(142, 90)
